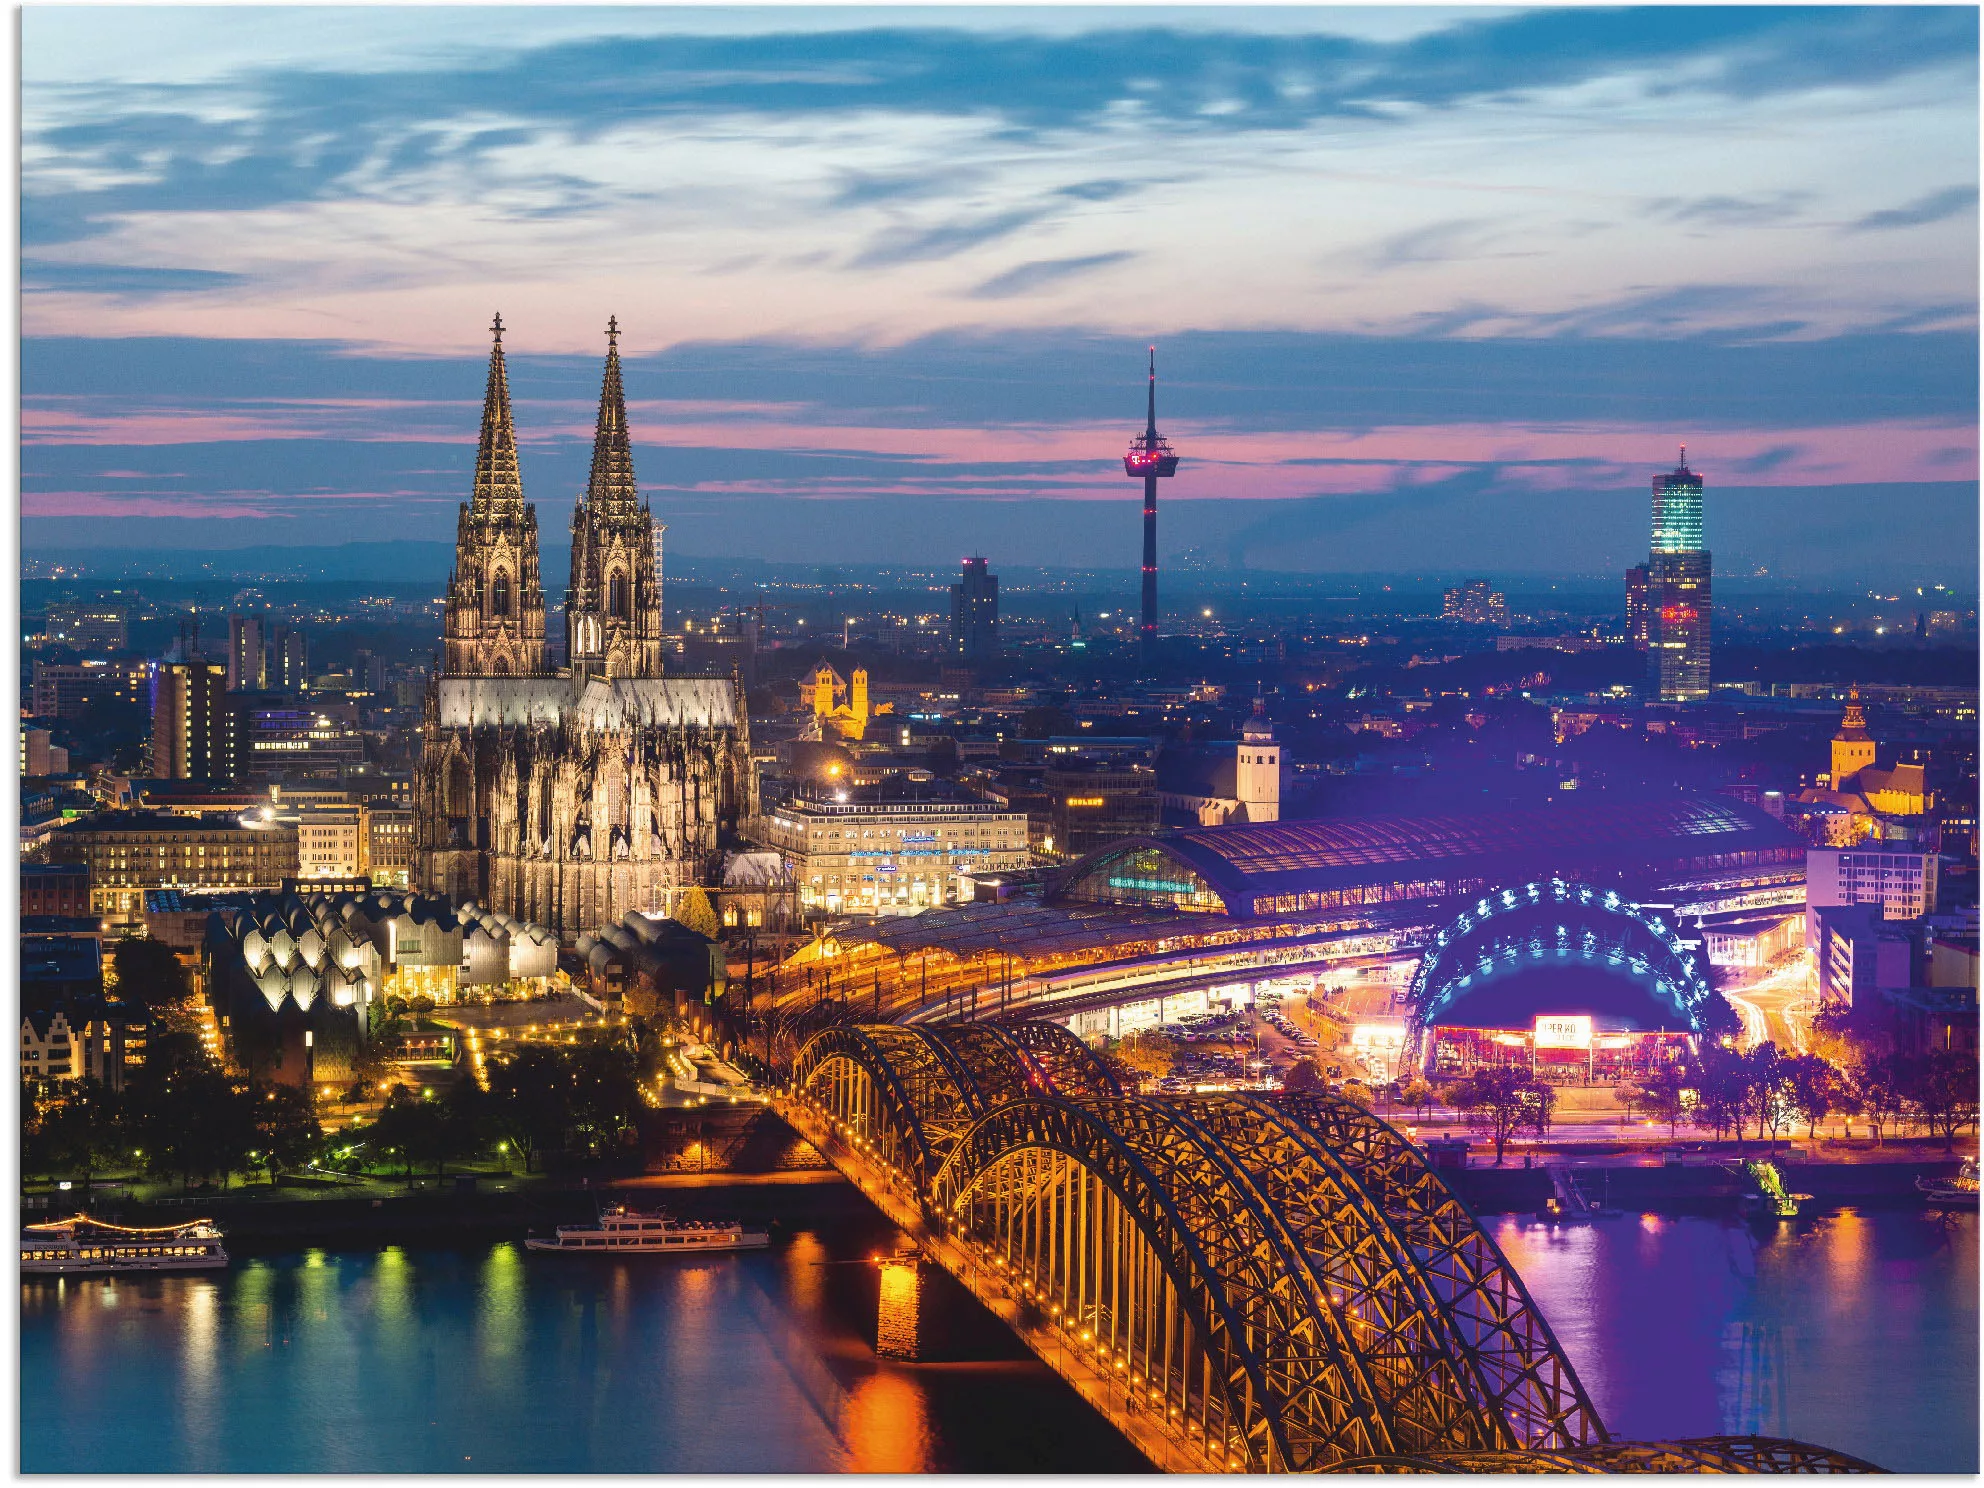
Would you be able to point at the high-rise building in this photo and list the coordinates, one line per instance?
(287, 668)
(1678, 605)
(1475, 603)
(975, 613)
(1150, 458)
(247, 653)
(1636, 581)
(196, 733)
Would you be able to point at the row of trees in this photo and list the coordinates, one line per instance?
(183, 1116)
(1726, 1092)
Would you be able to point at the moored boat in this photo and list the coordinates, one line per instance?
(622, 1231)
(82, 1246)
(1959, 1192)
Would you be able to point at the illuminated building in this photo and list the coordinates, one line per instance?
(301, 742)
(247, 653)
(1570, 981)
(1475, 603)
(1225, 783)
(975, 613)
(66, 689)
(839, 706)
(1901, 791)
(1150, 459)
(885, 853)
(1636, 615)
(568, 797)
(128, 852)
(1901, 884)
(1677, 589)
(1095, 802)
(39, 756)
(303, 975)
(196, 731)
(87, 627)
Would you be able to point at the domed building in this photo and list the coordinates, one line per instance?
(1563, 978)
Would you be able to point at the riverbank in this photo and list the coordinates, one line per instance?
(1708, 1187)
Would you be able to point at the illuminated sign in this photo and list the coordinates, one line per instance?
(1085, 800)
(1563, 1032)
(1152, 885)
(1378, 1035)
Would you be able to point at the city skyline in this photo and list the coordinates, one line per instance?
(1454, 332)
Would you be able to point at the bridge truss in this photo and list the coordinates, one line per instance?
(1239, 1282)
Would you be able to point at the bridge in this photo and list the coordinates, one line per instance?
(1239, 1282)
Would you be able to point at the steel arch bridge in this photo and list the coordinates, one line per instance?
(1238, 1282)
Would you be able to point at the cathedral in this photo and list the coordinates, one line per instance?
(569, 795)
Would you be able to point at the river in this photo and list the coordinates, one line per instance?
(1857, 1330)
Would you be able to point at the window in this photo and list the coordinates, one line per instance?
(616, 596)
(499, 594)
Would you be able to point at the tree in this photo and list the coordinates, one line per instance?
(1661, 1095)
(1881, 1082)
(1415, 1094)
(1813, 1086)
(146, 972)
(413, 1130)
(1943, 1087)
(605, 1094)
(1502, 1101)
(693, 912)
(79, 1134)
(1769, 1094)
(286, 1131)
(1302, 1075)
(529, 1100)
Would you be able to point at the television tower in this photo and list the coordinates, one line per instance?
(1150, 457)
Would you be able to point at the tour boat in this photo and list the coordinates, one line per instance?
(621, 1231)
(1959, 1192)
(81, 1246)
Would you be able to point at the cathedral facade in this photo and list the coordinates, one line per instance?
(569, 794)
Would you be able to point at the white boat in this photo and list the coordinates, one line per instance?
(1959, 1192)
(621, 1231)
(82, 1246)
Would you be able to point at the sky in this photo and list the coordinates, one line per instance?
(1431, 288)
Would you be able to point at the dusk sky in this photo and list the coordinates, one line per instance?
(1432, 289)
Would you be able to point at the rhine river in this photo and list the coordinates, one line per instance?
(1857, 1330)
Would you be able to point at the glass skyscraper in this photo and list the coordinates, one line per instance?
(1677, 601)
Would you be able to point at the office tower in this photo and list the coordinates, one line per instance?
(1636, 579)
(975, 613)
(247, 653)
(195, 729)
(288, 665)
(1151, 458)
(1678, 606)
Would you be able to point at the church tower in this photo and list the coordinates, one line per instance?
(1257, 770)
(1852, 747)
(613, 608)
(494, 625)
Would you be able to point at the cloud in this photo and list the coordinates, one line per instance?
(123, 280)
(1044, 273)
(945, 240)
(1733, 211)
(1935, 207)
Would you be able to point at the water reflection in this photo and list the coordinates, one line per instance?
(1855, 1330)
(1858, 1331)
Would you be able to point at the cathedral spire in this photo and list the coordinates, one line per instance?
(611, 489)
(498, 485)
(613, 607)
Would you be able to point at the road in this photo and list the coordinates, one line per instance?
(1778, 1007)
